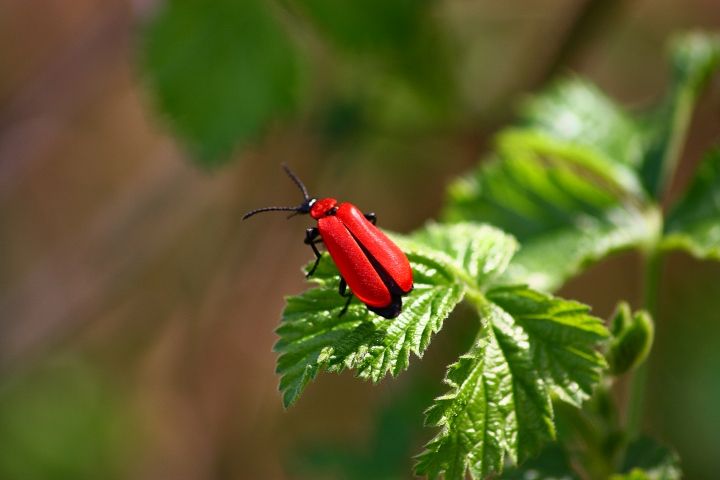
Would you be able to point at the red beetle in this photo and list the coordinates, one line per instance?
(371, 265)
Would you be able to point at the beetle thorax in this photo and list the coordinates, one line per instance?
(323, 207)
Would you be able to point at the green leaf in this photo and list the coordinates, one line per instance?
(531, 345)
(632, 338)
(222, 71)
(562, 336)
(565, 212)
(694, 223)
(575, 112)
(480, 251)
(578, 177)
(313, 337)
(647, 460)
(473, 416)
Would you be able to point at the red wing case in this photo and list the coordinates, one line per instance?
(354, 265)
(385, 253)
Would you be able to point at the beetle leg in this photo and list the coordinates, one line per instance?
(371, 217)
(344, 293)
(311, 239)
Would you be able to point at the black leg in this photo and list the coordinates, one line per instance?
(311, 239)
(371, 217)
(344, 293)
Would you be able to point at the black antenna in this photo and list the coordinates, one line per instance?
(297, 181)
(304, 208)
(268, 209)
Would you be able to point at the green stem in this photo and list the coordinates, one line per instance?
(653, 277)
(479, 301)
(476, 297)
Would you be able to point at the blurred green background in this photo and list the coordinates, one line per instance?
(137, 311)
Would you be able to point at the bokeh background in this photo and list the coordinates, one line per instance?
(136, 309)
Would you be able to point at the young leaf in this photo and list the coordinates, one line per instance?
(632, 338)
(531, 345)
(694, 223)
(221, 71)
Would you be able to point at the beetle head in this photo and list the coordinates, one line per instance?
(301, 209)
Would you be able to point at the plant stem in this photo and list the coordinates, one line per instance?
(592, 19)
(653, 277)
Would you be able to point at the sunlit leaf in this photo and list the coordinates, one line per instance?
(563, 212)
(313, 337)
(499, 403)
(481, 251)
(575, 112)
(576, 179)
